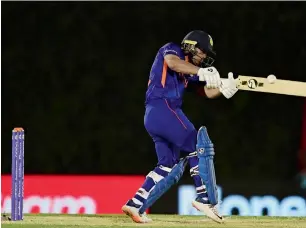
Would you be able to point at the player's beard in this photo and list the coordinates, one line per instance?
(197, 61)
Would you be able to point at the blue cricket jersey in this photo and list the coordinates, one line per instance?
(165, 83)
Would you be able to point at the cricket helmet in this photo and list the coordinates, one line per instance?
(203, 41)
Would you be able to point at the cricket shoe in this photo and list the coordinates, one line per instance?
(131, 209)
(208, 209)
(145, 217)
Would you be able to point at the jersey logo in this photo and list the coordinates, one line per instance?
(173, 51)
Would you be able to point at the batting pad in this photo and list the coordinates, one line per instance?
(162, 186)
(205, 149)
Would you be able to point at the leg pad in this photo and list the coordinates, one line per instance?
(205, 149)
(162, 186)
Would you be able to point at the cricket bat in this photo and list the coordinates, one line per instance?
(260, 84)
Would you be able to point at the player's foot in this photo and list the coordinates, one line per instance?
(131, 209)
(208, 209)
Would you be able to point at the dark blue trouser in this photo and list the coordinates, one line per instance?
(170, 130)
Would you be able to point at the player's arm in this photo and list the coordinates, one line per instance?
(212, 93)
(228, 92)
(209, 75)
(203, 91)
(178, 65)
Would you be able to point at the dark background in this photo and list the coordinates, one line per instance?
(74, 76)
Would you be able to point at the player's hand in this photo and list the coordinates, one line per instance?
(211, 76)
(228, 86)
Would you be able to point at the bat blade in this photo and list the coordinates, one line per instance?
(259, 84)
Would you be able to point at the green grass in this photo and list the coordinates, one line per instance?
(95, 221)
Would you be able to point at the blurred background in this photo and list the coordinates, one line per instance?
(74, 76)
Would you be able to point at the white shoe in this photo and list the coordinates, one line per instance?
(146, 218)
(133, 213)
(209, 210)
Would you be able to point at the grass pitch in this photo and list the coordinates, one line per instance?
(173, 221)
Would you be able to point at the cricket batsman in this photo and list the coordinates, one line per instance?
(177, 68)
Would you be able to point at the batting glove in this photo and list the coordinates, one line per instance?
(211, 76)
(228, 86)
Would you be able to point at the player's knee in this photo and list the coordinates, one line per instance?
(205, 147)
(190, 142)
(168, 159)
(193, 135)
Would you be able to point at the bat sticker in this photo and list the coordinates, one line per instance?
(252, 83)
